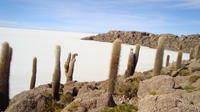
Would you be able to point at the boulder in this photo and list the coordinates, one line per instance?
(161, 84)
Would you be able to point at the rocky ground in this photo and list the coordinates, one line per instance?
(172, 91)
(148, 39)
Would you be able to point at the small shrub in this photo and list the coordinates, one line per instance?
(189, 88)
(67, 98)
(74, 106)
(121, 108)
(51, 105)
(184, 72)
(152, 93)
(193, 79)
(129, 88)
(147, 72)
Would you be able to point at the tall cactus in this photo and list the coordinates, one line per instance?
(167, 60)
(197, 53)
(66, 65)
(34, 71)
(69, 66)
(130, 64)
(71, 70)
(191, 53)
(136, 57)
(56, 74)
(159, 56)
(114, 63)
(179, 59)
(137, 52)
(5, 60)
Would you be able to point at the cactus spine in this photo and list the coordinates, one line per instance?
(69, 66)
(197, 54)
(5, 60)
(191, 53)
(34, 71)
(56, 74)
(159, 56)
(167, 60)
(114, 63)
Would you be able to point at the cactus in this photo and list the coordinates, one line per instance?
(137, 51)
(179, 59)
(5, 60)
(66, 65)
(69, 66)
(136, 57)
(159, 56)
(181, 46)
(71, 70)
(191, 53)
(114, 63)
(197, 53)
(34, 71)
(74, 55)
(167, 60)
(56, 74)
(131, 64)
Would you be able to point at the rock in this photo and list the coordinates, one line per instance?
(161, 84)
(29, 101)
(194, 66)
(90, 98)
(166, 103)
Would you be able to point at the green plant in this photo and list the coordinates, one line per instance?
(5, 60)
(152, 93)
(197, 53)
(34, 70)
(66, 98)
(114, 63)
(128, 89)
(131, 63)
(184, 72)
(50, 104)
(74, 106)
(121, 108)
(69, 66)
(56, 74)
(66, 65)
(191, 53)
(167, 60)
(137, 52)
(193, 79)
(159, 56)
(189, 88)
(179, 60)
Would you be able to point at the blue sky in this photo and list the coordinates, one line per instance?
(97, 16)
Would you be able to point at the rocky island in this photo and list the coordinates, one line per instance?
(148, 39)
